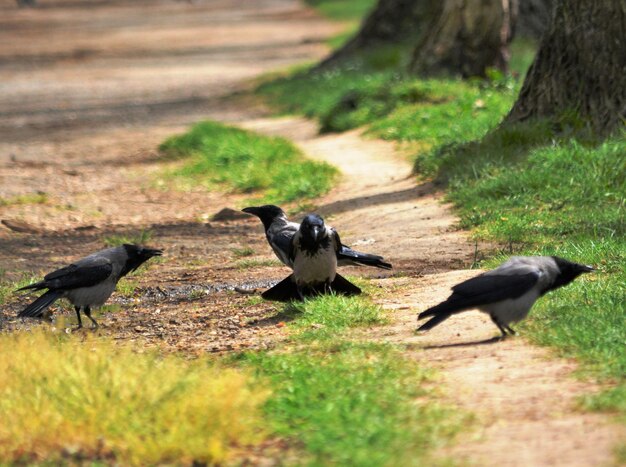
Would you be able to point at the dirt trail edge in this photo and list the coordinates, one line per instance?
(524, 398)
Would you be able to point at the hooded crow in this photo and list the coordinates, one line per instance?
(508, 292)
(279, 232)
(312, 252)
(88, 282)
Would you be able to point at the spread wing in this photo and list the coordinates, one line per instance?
(84, 273)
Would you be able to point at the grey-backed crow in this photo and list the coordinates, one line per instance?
(88, 282)
(312, 251)
(279, 232)
(508, 292)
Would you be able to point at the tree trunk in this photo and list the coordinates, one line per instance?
(390, 22)
(469, 37)
(534, 18)
(580, 67)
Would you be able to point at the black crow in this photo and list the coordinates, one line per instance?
(88, 282)
(312, 252)
(508, 292)
(279, 232)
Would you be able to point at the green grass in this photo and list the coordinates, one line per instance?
(377, 91)
(136, 238)
(346, 402)
(329, 315)
(222, 157)
(342, 10)
(8, 287)
(243, 252)
(349, 403)
(543, 195)
(251, 263)
(93, 401)
(31, 198)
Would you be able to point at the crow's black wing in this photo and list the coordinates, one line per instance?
(491, 288)
(280, 241)
(84, 273)
(334, 235)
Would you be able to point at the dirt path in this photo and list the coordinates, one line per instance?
(89, 89)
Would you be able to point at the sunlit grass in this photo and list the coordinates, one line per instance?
(342, 9)
(351, 403)
(327, 315)
(218, 156)
(90, 400)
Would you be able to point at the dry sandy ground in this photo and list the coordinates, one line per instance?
(88, 89)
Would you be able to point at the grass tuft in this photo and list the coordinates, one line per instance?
(221, 156)
(243, 252)
(31, 198)
(95, 401)
(327, 315)
(136, 238)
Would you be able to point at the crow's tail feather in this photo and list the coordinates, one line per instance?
(36, 309)
(431, 323)
(286, 290)
(348, 256)
(35, 286)
(442, 311)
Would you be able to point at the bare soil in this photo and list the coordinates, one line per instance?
(88, 89)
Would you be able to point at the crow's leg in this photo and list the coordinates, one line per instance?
(511, 331)
(500, 327)
(300, 293)
(80, 323)
(87, 312)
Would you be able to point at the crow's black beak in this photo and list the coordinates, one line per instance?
(150, 252)
(316, 233)
(585, 268)
(251, 210)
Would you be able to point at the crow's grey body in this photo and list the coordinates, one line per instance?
(508, 292)
(279, 231)
(90, 281)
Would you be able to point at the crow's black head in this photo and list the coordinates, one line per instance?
(313, 232)
(568, 271)
(268, 213)
(137, 255)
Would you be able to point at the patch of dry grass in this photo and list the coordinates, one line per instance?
(65, 399)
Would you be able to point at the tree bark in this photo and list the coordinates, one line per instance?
(390, 22)
(469, 37)
(534, 18)
(580, 68)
